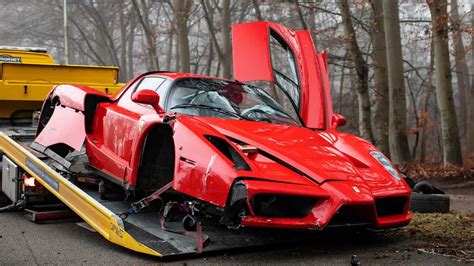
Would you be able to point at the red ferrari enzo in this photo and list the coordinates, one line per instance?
(230, 147)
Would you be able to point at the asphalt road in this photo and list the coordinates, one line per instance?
(24, 242)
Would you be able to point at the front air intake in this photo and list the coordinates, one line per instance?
(353, 215)
(390, 206)
(282, 206)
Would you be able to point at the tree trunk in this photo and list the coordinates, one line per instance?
(176, 59)
(227, 41)
(256, 7)
(462, 71)
(169, 53)
(221, 53)
(130, 44)
(210, 58)
(182, 9)
(379, 54)
(398, 140)
(142, 12)
(341, 83)
(300, 15)
(123, 76)
(444, 92)
(362, 87)
(101, 40)
(470, 122)
(430, 88)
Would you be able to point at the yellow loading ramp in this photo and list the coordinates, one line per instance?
(142, 231)
(104, 221)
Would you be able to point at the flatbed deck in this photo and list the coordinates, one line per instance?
(141, 232)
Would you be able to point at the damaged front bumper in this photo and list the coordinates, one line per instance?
(332, 204)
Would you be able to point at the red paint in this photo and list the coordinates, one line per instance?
(252, 62)
(74, 96)
(336, 168)
(66, 126)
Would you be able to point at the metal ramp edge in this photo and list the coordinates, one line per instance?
(104, 221)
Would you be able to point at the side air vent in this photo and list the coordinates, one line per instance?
(225, 148)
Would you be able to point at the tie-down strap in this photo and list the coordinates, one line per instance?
(139, 205)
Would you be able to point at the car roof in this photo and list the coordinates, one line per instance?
(179, 75)
(166, 74)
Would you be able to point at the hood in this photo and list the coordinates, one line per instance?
(320, 155)
(302, 148)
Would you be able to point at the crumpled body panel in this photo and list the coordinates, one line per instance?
(66, 126)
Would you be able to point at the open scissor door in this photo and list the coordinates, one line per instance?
(266, 51)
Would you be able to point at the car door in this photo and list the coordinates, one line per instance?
(267, 51)
(117, 127)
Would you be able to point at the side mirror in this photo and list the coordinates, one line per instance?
(148, 97)
(337, 120)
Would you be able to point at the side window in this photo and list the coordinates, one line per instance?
(284, 69)
(156, 84)
(150, 83)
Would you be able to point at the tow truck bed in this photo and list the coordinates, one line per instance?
(141, 232)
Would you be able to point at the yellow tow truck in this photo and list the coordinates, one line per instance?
(28, 74)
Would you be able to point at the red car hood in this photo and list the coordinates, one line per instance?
(302, 148)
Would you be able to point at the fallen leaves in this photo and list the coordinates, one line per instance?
(448, 234)
(436, 170)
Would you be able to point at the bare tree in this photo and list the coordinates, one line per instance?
(460, 64)
(182, 9)
(444, 92)
(362, 87)
(425, 116)
(300, 14)
(379, 57)
(227, 42)
(224, 53)
(142, 10)
(130, 47)
(470, 127)
(398, 140)
(256, 7)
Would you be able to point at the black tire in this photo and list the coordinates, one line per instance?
(429, 203)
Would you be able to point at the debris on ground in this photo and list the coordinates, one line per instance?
(448, 234)
(355, 261)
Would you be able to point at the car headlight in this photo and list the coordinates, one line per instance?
(385, 163)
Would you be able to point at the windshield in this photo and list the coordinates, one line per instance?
(226, 99)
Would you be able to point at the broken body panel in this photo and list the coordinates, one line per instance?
(275, 175)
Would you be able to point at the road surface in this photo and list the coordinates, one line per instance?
(24, 242)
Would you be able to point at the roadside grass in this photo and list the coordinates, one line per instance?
(449, 234)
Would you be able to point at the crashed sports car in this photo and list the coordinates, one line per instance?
(230, 148)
